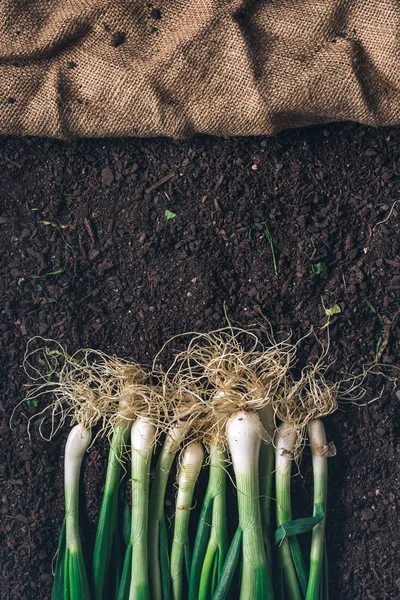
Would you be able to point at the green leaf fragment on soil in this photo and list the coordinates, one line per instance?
(57, 272)
(321, 269)
(333, 310)
(169, 215)
(268, 235)
(32, 402)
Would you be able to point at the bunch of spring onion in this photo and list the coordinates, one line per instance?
(137, 407)
(114, 395)
(228, 403)
(300, 409)
(236, 387)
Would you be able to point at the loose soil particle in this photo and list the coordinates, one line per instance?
(88, 258)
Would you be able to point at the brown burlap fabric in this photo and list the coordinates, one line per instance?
(180, 67)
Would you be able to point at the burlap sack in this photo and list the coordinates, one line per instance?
(180, 67)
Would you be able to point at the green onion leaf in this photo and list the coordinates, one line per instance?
(232, 559)
(57, 592)
(200, 546)
(296, 527)
(125, 582)
(164, 560)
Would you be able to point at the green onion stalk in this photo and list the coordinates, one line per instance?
(160, 583)
(316, 434)
(134, 584)
(191, 463)
(109, 545)
(285, 442)
(71, 581)
(243, 432)
(267, 466)
(211, 543)
(142, 440)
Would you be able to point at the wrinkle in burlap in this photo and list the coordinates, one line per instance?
(176, 68)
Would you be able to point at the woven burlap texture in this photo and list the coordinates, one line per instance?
(176, 68)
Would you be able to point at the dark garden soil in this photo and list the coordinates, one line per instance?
(88, 258)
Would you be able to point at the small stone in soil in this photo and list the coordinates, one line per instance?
(367, 514)
(107, 176)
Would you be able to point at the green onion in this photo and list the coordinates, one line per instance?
(211, 543)
(267, 465)
(243, 432)
(71, 582)
(142, 440)
(107, 535)
(316, 433)
(191, 462)
(158, 544)
(285, 441)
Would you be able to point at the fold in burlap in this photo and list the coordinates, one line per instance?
(176, 68)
